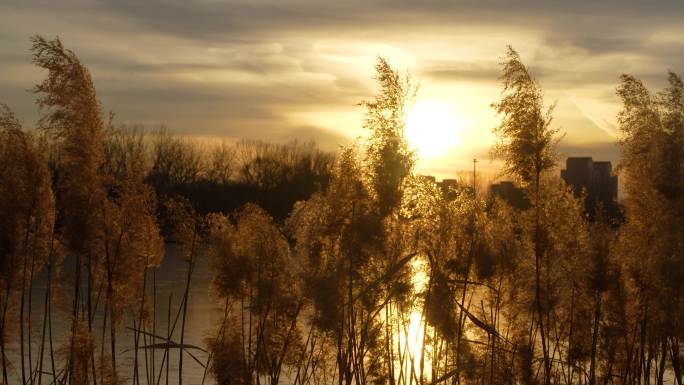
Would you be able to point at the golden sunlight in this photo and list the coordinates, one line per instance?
(432, 129)
(412, 339)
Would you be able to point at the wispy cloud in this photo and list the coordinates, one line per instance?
(602, 122)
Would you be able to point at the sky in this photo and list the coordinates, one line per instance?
(284, 70)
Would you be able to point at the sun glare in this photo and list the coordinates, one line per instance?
(432, 129)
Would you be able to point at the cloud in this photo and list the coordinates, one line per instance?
(280, 69)
(327, 140)
(456, 71)
(607, 126)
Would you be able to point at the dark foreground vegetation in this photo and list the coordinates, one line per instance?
(373, 276)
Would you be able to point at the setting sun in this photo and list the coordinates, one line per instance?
(432, 129)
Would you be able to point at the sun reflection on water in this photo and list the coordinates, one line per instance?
(412, 339)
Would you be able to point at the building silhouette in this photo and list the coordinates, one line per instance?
(596, 179)
(510, 193)
(451, 188)
(583, 174)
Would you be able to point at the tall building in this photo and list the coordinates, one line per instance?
(510, 193)
(596, 178)
(451, 188)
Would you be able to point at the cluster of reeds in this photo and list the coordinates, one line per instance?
(380, 277)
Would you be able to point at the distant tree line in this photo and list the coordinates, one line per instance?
(223, 177)
(374, 276)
